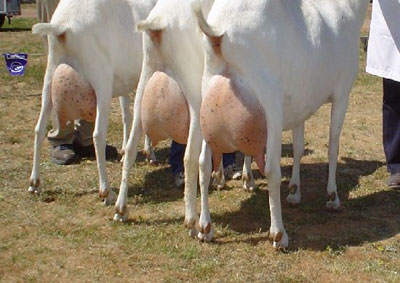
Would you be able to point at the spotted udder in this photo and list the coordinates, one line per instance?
(72, 97)
(231, 120)
(164, 112)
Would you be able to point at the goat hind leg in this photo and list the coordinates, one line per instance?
(103, 94)
(40, 129)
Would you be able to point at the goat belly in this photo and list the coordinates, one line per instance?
(164, 110)
(232, 119)
(72, 97)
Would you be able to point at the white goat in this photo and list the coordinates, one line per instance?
(280, 60)
(95, 37)
(45, 10)
(176, 32)
(169, 82)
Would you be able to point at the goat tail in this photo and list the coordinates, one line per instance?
(209, 31)
(46, 29)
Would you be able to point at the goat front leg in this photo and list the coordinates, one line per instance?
(294, 196)
(206, 230)
(121, 207)
(40, 129)
(103, 94)
(277, 233)
(124, 102)
(338, 112)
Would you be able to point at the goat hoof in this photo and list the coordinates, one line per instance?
(333, 203)
(218, 180)
(248, 183)
(150, 157)
(294, 195)
(191, 226)
(279, 239)
(293, 189)
(249, 187)
(206, 233)
(107, 196)
(151, 161)
(121, 213)
(121, 218)
(34, 187)
(34, 190)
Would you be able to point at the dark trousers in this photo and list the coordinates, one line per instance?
(178, 152)
(391, 124)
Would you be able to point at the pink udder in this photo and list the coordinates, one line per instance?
(164, 112)
(232, 119)
(72, 97)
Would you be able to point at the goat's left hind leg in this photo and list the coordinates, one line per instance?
(40, 129)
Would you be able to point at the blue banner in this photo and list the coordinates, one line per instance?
(16, 63)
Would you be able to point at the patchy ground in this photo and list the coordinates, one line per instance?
(66, 234)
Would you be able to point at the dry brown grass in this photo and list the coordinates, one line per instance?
(66, 234)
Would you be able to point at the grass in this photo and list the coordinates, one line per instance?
(66, 234)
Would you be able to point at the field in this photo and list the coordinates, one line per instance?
(66, 234)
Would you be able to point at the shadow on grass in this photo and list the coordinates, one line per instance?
(158, 187)
(368, 218)
(287, 150)
(19, 29)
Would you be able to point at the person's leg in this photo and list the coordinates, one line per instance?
(61, 140)
(228, 159)
(176, 162)
(83, 143)
(231, 171)
(391, 130)
(84, 132)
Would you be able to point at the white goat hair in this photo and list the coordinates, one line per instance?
(292, 57)
(172, 25)
(96, 38)
(171, 44)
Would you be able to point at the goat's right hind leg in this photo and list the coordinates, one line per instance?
(40, 131)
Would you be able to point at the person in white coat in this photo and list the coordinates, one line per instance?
(383, 60)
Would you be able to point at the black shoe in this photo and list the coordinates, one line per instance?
(394, 181)
(63, 154)
(89, 152)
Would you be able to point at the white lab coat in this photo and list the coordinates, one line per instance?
(383, 55)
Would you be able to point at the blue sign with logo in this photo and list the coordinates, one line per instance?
(16, 63)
